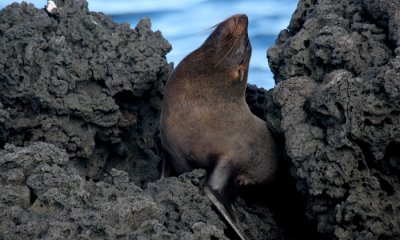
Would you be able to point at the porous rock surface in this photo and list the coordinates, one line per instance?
(88, 85)
(337, 108)
(80, 100)
(42, 196)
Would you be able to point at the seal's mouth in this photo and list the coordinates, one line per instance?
(245, 51)
(247, 43)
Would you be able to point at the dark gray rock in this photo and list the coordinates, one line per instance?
(78, 80)
(338, 104)
(80, 101)
(53, 201)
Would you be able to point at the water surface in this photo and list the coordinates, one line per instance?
(187, 23)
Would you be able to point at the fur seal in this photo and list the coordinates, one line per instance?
(206, 122)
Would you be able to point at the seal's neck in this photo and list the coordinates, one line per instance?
(206, 78)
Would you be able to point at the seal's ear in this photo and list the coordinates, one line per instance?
(241, 73)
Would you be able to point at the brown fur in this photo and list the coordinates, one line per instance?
(206, 122)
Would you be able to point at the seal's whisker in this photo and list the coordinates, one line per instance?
(229, 37)
(229, 42)
(203, 32)
(214, 26)
(230, 49)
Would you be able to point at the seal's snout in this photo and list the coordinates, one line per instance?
(241, 22)
(241, 19)
(230, 42)
(235, 25)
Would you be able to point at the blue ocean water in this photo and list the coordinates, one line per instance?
(187, 23)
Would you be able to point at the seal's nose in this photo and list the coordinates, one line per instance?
(241, 18)
(240, 15)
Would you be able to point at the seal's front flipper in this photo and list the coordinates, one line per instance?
(213, 196)
(166, 166)
(216, 189)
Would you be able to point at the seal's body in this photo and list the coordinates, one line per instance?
(206, 122)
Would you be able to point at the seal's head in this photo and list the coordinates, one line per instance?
(221, 62)
(228, 47)
(230, 41)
